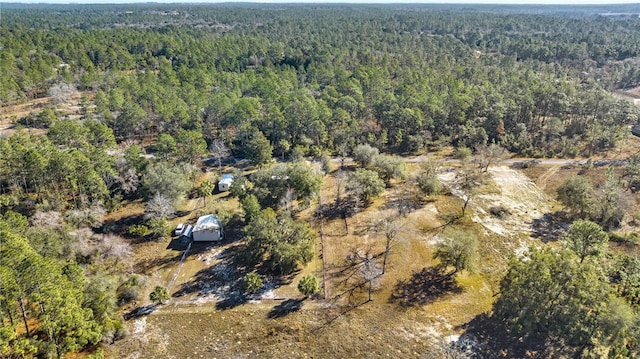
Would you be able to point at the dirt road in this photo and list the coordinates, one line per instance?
(512, 161)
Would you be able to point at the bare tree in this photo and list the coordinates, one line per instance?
(115, 247)
(129, 181)
(392, 229)
(343, 151)
(341, 182)
(469, 178)
(611, 203)
(363, 265)
(430, 166)
(466, 198)
(160, 207)
(370, 271)
(103, 247)
(91, 216)
(219, 150)
(126, 177)
(489, 155)
(49, 219)
(62, 92)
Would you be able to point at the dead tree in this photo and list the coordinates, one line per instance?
(219, 150)
(370, 271)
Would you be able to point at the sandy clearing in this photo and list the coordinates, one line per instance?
(519, 195)
(140, 326)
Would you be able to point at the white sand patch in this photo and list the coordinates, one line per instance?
(202, 299)
(208, 256)
(452, 338)
(419, 331)
(519, 196)
(270, 294)
(140, 326)
(433, 240)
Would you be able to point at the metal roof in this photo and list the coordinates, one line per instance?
(228, 179)
(208, 222)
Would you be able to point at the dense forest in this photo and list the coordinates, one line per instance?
(164, 86)
(398, 78)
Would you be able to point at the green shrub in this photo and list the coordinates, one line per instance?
(159, 295)
(138, 230)
(252, 282)
(462, 153)
(158, 228)
(429, 185)
(309, 285)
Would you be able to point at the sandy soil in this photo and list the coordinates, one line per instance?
(522, 199)
(194, 325)
(9, 114)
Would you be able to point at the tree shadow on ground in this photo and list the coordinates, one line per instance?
(202, 247)
(344, 302)
(121, 225)
(493, 341)
(424, 286)
(139, 312)
(182, 213)
(285, 308)
(331, 211)
(223, 280)
(550, 227)
(157, 262)
(404, 199)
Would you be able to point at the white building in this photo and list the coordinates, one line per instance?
(207, 229)
(225, 183)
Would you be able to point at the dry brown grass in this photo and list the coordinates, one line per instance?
(597, 176)
(9, 114)
(344, 324)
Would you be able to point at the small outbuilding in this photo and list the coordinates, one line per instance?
(225, 183)
(207, 229)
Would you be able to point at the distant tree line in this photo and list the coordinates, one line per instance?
(397, 80)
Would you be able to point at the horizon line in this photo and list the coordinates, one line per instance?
(337, 2)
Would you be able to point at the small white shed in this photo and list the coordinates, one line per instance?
(225, 183)
(207, 229)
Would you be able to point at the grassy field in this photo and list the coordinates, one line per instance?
(412, 308)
